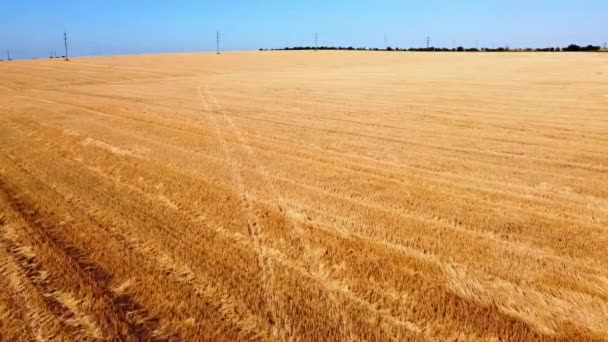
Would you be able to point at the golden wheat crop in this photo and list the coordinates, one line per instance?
(305, 196)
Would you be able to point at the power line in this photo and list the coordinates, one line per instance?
(218, 41)
(65, 40)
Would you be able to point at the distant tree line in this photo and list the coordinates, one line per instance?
(569, 48)
(574, 47)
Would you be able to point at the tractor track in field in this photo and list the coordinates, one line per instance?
(254, 226)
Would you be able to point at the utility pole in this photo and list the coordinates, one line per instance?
(316, 41)
(428, 42)
(65, 40)
(8, 55)
(385, 41)
(218, 41)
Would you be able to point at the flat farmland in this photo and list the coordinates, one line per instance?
(305, 196)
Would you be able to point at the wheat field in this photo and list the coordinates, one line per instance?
(305, 196)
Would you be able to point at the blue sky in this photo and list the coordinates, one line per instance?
(31, 28)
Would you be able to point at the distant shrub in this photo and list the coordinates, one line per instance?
(574, 47)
